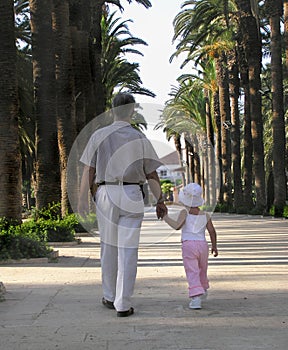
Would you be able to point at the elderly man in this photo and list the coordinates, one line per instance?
(119, 159)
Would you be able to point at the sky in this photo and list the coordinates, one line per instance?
(155, 26)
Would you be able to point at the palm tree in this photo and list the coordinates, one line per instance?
(81, 22)
(96, 52)
(47, 157)
(285, 4)
(10, 172)
(26, 124)
(247, 134)
(66, 124)
(86, 31)
(225, 117)
(203, 31)
(184, 115)
(234, 87)
(22, 24)
(67, 96)
(176, 136)
(274, 10)
(205, 80)
(117, 71)
(97, 9)
(250, 33)
(268, 135)
(25, 92)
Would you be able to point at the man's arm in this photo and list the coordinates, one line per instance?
(155, 186)
(85, 186)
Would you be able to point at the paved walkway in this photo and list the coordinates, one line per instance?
(57, 305)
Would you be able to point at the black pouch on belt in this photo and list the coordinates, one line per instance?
(142, 190)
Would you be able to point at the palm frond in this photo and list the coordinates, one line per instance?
(118, 72)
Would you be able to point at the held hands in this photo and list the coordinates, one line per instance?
(161, 210)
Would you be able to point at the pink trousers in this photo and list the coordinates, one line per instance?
(195, 259)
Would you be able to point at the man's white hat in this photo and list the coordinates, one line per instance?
(191, 195)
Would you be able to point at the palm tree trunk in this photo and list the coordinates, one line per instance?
(225, 115)
(252, 48)
(48, 187)
(178, 146)
(248, 152)
(247, 137)
(65, 93)
(10, 159)
(195, 163)
(219, 173)
(96, 51)
(206, 176)
(77, 45)
(81, 24)
(286, 66)
(210, 161)
(274, 11)
(234, 85)
(189, 173)
(286, 42)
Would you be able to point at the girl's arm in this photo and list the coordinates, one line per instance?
(176, 224)
(213, 237)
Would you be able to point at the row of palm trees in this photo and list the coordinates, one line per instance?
(69, 58)
(238, 100)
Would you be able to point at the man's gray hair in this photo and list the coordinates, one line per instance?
(123, 98)
(123, 106)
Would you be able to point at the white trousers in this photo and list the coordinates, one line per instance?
(120, 212)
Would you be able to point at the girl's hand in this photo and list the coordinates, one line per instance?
(214, 251)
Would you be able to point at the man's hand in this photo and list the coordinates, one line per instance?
(86, 186)
(83, 208)
(161, 210)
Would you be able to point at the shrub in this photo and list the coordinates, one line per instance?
(60, 230)
(29, 239)
(285, 211)
(86, 224)
(17, 243)
(49, 224)
(221, 208)
(52, 211)
(51, 230)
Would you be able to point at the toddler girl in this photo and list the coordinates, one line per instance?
(194, 222)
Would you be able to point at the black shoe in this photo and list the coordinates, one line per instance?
(108, 303)
(126, 313)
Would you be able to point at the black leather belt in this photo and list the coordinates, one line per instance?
(118, 183)
(124, 183)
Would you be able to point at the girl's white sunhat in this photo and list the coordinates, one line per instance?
(191, 195)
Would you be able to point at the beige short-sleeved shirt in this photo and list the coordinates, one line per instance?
(119, 152)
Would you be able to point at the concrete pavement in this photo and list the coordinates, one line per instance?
(58, 305)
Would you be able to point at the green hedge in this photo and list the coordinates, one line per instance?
(60, 230)
(29, 239)
(285, 211)
(16, 242)
(49, 224)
